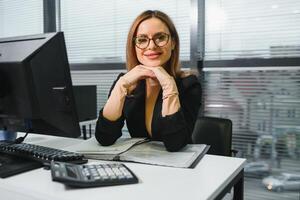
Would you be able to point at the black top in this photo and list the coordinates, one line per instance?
(174, 130)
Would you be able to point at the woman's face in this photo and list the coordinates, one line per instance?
(154, 54)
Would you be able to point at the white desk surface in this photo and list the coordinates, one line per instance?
(210, 177)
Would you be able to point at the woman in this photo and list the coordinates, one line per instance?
(156, 99)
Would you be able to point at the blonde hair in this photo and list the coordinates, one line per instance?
(173, 65)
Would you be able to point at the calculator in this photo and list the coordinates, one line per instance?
(92, 175)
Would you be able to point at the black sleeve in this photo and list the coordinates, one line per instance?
(107, 132)
(176, 129)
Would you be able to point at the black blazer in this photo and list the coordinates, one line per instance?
(174, 130)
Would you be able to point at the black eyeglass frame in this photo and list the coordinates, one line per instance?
(168, 37)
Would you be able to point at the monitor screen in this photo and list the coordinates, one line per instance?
(35, 86)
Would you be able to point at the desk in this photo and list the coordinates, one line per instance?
(208, 180)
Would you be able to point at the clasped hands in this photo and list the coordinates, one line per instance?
(143, 72)
(159, 74)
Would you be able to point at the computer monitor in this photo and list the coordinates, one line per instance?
(35, 86)
(86, 101)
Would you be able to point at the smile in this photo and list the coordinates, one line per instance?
(153, 55)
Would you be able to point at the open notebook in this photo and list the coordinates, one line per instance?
(141, 150)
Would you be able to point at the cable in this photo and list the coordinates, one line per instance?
(28, 127)
(21, 139)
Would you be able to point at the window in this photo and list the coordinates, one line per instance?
(96, 30)
(22, 17)
(252, 29)
(261, 101)
(276, 112)
(251, 124)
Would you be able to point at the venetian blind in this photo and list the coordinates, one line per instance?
(20, 17)
(252, 29)
(264, 106)
(262, 102)
(96, 30)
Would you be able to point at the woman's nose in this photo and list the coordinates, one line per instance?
(151, 44)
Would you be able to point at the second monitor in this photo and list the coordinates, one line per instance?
(36, 92)
(86, 101)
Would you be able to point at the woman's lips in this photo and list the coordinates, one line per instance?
(152, 55)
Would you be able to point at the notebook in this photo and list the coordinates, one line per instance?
(141, 150)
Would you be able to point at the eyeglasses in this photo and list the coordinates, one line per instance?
(159, 39)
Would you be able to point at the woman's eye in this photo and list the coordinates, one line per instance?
(161, 37)
(141, 40)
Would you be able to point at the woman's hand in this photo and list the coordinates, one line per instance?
(171, 103)
(164, 79)
(138, 73)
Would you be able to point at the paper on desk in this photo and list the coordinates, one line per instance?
(141, 150)
(155, 153)
(92, 146)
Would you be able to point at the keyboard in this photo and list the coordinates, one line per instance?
(41, 153)
(92, 175)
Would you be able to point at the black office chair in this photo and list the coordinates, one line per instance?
(216, 132)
